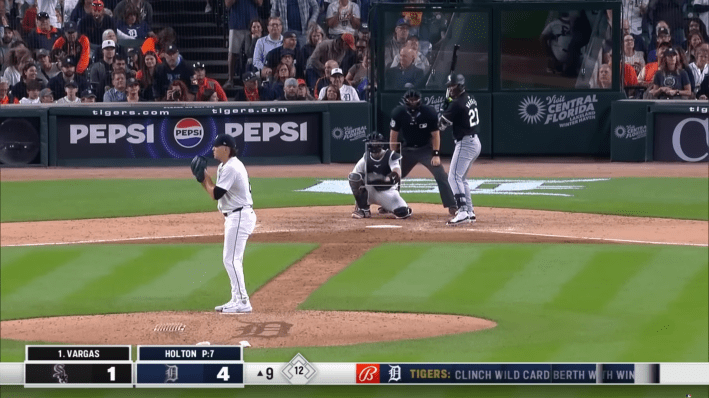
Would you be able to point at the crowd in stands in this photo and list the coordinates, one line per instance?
(665, 49)
(68, 51)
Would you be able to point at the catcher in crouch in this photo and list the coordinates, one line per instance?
(375, 180)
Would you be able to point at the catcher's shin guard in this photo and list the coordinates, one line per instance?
(359, 191)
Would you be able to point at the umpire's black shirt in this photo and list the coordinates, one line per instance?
(415, 128)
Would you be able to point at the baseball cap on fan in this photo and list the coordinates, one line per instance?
(224, 140)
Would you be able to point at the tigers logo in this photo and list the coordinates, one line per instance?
(367, 373)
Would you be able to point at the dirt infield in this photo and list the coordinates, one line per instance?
(275, 321)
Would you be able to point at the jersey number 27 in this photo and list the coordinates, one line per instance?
(473, 114)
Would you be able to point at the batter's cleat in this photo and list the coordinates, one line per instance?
(361, 213)
(452, 211)
(472, 218)
(462, 217)
(238, 308)
(383, 211)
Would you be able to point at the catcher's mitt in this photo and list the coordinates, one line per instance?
(199, 163)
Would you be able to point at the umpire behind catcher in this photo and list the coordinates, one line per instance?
(421, 142)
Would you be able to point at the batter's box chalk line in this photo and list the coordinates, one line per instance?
(383, 226)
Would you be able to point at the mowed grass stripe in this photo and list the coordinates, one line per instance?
(492, 270)
(148, 266)
(601, 280)
(660, 281)
(52, 288)
(673, 331)
(184, 277)
(542, 277)
(15, 274)
(369, 273)
(426, 275)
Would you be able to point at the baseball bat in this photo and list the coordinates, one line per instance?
(454, 61)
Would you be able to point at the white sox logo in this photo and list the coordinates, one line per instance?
(367, 374)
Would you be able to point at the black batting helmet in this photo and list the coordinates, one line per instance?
(412, 99)
(456, 85)
(456, 80)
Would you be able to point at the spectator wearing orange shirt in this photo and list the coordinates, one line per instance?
(158, 44)
(4, 88)
(44, 35)
(203, 82)
(74, 45)
(647, 75)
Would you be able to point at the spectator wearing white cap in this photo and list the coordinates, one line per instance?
(71, 90)
(110, 34)
(100, 72)
(337, 79)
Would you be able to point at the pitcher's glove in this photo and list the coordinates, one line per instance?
(394, 178)
(198, 165)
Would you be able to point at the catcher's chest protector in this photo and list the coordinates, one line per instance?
(377, 170)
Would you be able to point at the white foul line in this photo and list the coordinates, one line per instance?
(78, 242)
(592, 238)
(293, 230)
(110, 240)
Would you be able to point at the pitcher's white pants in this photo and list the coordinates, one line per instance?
(238, 226)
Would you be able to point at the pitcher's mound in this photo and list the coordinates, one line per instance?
(274, 329)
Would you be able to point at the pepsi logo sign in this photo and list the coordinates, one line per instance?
(189, 133)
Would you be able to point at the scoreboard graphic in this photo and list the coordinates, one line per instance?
(221, 366)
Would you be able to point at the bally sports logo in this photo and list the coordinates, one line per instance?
(188, 133)
(367, 373)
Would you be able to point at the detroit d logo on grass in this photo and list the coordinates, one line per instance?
(188, 133)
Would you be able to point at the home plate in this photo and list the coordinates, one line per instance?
(384, 226)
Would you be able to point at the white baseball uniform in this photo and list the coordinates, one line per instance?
(239, 222)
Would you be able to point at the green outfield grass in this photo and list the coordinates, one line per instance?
(552, 303)
(684, 198)
(102, 279)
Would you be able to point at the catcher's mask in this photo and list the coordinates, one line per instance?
(456, 85)
(376, 143)
(412, 100)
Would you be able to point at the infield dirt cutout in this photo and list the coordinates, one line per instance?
(276, 322)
